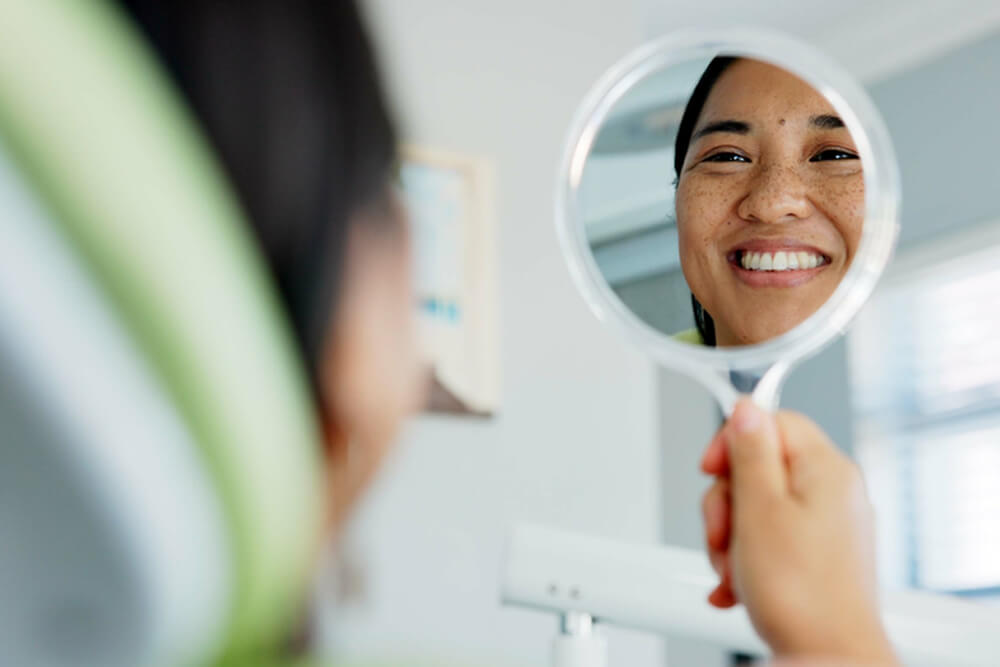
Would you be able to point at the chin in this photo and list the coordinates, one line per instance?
(769, 331)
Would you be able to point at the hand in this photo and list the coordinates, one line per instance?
(789, 531)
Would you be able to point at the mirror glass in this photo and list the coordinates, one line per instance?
(722, 199)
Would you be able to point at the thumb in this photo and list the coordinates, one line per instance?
(756, 462)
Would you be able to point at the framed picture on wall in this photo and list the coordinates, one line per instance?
(450, 200)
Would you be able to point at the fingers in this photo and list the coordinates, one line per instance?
(715, 460)
(756, 459)
(813, 460)
(722, 596)
(720, 562)
(715, 509)
(800, 435)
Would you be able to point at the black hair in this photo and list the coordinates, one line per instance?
(288, 95)
(702, 320)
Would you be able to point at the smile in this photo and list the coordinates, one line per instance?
(757, 265)
(781, 260)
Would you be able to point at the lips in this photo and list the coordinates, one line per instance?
(765, 263)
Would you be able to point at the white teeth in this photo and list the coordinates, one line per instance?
(780, 261)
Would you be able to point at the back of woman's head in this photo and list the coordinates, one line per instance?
(288, 95)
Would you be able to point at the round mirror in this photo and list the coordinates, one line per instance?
(728, 201)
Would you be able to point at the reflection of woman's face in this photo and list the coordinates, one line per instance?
(770, 203)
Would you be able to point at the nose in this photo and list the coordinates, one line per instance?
(777, 194)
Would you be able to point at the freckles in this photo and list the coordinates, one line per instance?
(852, 199)
(703, 205)
(851, 192)
(843, 202)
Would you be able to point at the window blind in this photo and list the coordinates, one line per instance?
(924, 361)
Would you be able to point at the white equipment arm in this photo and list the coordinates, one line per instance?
(664, 589)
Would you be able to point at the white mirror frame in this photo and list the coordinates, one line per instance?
(773, 359)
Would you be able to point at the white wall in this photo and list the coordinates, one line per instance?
(575, 442)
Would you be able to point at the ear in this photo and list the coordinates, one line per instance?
(369, 363)
(341, 375)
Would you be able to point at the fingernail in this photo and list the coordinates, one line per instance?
(747, 417)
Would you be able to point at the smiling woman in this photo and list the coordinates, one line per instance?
(769, 201)
(763, 218)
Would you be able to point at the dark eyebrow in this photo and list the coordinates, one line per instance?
(826, 122)
(732, 126)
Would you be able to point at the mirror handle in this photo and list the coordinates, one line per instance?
(767, 393)
(763, 386)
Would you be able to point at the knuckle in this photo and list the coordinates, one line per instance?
(795, 422)
(747, 448)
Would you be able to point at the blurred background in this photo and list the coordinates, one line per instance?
(588, 435)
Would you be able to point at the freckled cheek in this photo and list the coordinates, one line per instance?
(845, 205)
(702, 217)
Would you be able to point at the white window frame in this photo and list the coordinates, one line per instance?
(979, 243)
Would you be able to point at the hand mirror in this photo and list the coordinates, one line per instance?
(727, 201)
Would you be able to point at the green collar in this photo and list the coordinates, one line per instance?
(691, 336)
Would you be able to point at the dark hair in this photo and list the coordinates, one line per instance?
(695, 103)
(288, 95)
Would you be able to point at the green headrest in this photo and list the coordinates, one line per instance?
(101, 137)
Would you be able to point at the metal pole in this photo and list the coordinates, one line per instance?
(580, 644)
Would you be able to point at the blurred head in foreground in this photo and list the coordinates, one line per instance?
(288, 95)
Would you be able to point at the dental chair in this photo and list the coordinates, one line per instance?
(160, 480)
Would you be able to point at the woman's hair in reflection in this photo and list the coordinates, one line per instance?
(288, 95)
(718, 65)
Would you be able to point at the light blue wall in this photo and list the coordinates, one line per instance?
(944, 118)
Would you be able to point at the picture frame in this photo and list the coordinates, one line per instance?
(450, 199)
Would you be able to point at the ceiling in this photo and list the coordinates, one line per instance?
(872, 39)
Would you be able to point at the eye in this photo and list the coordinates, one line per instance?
(833, 154)
(726, 156)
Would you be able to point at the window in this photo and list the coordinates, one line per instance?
(925, 374)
